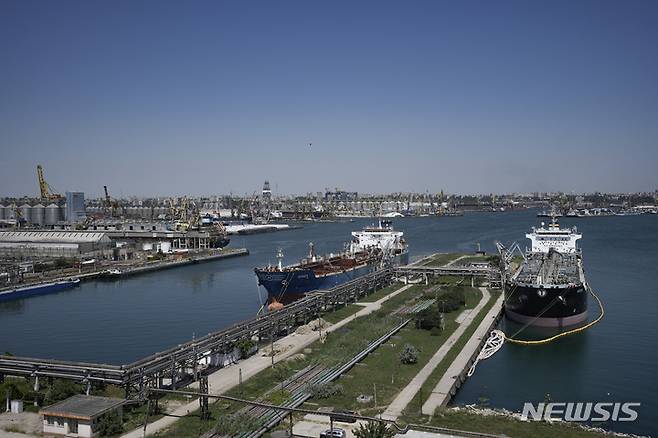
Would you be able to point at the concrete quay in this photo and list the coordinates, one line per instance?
(193, 259)
(456, 373)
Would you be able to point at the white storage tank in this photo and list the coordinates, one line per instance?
(51, 216)
(2, 211)
(38, 214)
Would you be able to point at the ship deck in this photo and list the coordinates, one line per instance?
(552, 268)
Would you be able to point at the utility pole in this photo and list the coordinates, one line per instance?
(272, 344)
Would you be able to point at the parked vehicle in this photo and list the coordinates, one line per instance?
(334, 433)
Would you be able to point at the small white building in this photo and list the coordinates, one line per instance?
(78, 416)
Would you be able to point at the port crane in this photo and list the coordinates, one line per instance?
(110, 204)
(47, 192)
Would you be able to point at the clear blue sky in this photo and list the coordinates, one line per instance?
(160, 97)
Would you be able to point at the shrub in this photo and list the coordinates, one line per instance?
(109, 424)
(374, 429)
(236, 424)
(429, 318)
(63, 262)
(281, 371)
(436, 331)
(325, 390)
(245, 346)
(409, 354)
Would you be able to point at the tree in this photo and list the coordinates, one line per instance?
(60, 390)
(429, 318)
(109, 424)
(409, 354)
(13, 389)
(245, 346)
(374, 429)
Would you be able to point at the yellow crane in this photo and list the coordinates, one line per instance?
(47, 192)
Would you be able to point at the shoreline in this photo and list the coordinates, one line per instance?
(135, 270)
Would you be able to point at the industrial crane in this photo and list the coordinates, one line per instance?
(110, 204)
(47, 191)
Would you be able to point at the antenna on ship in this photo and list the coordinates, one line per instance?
(554, 223)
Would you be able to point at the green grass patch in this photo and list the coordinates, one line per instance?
(441, 259)
(342, 313)
(383, 371)
(493, 259)
(511, 427)
(381, 293)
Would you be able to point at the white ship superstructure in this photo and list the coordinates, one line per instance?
(381, 236)
(562, 240)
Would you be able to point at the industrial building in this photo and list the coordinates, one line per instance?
(78, 415)
(36, 244)
(75, 207)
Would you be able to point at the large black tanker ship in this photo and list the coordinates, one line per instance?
(548, 289)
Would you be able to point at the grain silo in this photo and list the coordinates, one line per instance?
(38, 215)
(10, 212)
(26, 212)
(2, 211)
(52, 214)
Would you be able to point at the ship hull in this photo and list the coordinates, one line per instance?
(42, 289)
(286, 287)
(541, 306)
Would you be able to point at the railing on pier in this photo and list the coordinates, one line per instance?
(490, 273)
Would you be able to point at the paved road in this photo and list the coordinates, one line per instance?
(227, 378)
(407, 394)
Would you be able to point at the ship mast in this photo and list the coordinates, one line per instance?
(279, 257)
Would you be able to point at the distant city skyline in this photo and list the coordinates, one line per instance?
(200, 98)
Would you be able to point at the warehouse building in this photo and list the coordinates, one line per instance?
(69, 244)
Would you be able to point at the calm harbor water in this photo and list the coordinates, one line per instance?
(121, 321)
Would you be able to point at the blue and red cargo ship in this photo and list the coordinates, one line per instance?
(370, 249)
